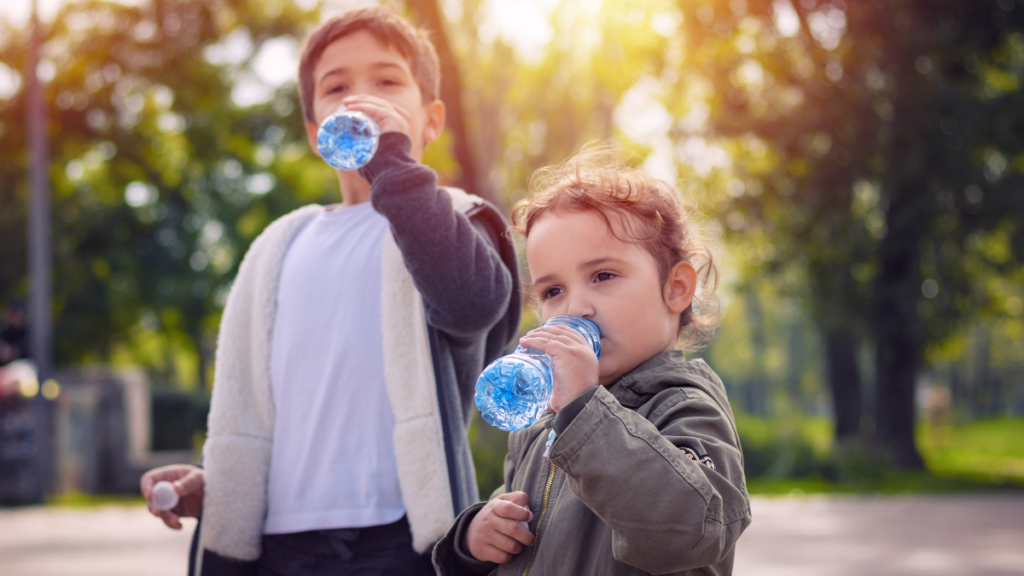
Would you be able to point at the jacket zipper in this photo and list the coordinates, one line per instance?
(540, 520)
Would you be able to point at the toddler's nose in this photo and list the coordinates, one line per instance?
(580, 307)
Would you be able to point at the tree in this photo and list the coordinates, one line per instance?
(160, 177)
(881, 137)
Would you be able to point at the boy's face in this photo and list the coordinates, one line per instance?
(579, 267)
(359, 64)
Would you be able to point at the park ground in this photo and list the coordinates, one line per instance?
(819, 535)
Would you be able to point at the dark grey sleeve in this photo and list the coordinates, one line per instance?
(465, 285)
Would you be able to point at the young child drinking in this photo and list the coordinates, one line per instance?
(637, 468)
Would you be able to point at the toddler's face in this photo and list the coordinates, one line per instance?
(579, 267)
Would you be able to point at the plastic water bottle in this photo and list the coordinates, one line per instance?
(515, 390)
(347, 139)
(164, 495)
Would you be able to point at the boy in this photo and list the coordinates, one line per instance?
(351, 341)
(638, 470)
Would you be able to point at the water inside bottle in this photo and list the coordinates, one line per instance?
(348, 139)
(514, 391)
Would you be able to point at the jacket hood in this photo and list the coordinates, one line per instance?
(668, 370)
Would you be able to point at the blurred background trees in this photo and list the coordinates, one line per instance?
(862, 162)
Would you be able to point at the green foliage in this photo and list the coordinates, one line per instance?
(82, 500)
(177, 417)
(786, 456)
(160, 178)
(489, 446)
(987, 450)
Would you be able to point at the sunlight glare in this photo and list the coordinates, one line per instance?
(277, 61)
(787, 22)
(523, 25)
(10, 81)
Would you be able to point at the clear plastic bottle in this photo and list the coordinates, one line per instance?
(347, 139)
(515, 390)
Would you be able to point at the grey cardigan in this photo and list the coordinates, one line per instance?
(450, 304)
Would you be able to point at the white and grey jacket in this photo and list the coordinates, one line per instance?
(450, 304)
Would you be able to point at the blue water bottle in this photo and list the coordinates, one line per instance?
(515, 390)
(347, 139)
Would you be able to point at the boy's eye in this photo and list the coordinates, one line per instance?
(337, 88)
(604, 276)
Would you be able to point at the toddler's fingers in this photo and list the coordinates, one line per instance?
(505, 543)
(546, 335)
(495, 554)
(518, 531)
(520, 498)
(512, 511)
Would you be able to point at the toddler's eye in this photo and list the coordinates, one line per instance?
(389, 82)
(337, 88)
(604, 276)
(550, 293)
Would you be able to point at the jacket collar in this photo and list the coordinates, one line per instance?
(663, 371)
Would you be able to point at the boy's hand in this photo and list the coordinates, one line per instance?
(391, 117)
(576, 365)
(495, 534)
(188, 482)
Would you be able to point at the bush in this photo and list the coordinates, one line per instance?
(177, 417)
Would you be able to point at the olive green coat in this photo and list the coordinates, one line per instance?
(644, 477)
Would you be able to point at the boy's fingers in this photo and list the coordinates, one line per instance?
(191, 483)
(170, 519)
(381, 103)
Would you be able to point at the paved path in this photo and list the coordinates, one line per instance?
(884, 536)
(816, 536)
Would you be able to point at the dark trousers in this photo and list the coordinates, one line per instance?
(373, 551)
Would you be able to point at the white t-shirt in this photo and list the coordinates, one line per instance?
(333, 461)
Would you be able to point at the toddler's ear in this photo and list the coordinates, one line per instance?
(680, 287)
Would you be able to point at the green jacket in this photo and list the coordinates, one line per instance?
(643, 477)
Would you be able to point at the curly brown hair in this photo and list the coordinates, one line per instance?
(650, 212)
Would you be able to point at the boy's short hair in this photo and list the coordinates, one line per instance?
(650, 212)
(388, 27)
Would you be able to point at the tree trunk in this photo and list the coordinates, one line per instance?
(844, 383)
(897, 327)
(894, 400)
(759, 383)
(451, 94)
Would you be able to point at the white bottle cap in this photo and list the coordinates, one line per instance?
(164, 496)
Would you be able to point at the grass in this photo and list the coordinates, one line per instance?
(76, 499)
(796, 456)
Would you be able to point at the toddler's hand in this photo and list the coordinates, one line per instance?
(576, 365)
(390, 117)
(495, 534)
(188, 482)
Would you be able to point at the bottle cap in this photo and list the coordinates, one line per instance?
(164, 495)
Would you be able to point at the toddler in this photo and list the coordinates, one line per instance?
(637, 468)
